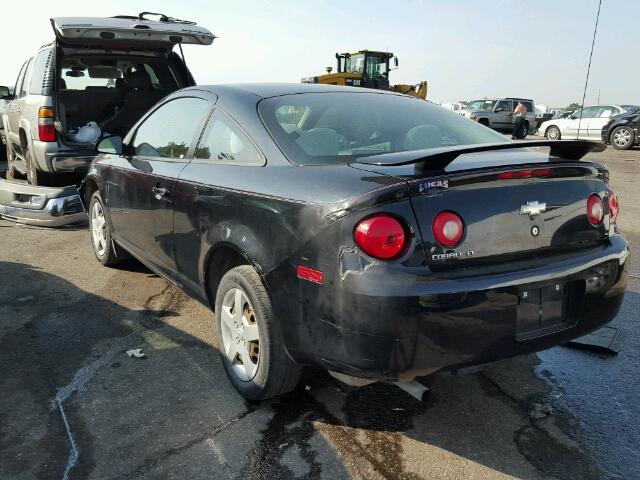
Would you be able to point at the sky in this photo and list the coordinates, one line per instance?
(465, 49)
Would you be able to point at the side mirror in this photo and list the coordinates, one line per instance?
(111, 145)
(573, 117)
(5, 93)
(499, 109)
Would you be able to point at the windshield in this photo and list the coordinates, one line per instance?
(354, 64)
(376, 66)
(481, 105)
(321, 128)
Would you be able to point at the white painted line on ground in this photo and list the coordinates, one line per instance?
(74, 454)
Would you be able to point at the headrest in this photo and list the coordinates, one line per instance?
(423, 136)
(319, 142)
(139, 79)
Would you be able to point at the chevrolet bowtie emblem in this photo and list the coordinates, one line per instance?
(533, 208)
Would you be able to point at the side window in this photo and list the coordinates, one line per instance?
(224, 142)
(505, 105)
(40, 65)
(605, 112)
(528, 106)
(25, 79)
(588, 112)
(16, 89)
(169, 131)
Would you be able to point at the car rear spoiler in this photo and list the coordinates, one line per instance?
(437, 159)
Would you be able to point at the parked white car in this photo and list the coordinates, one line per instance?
(594, 117)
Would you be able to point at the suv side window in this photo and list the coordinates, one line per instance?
(505, 105)
(528, 106)
(25, 78)
(16, 89)
(36, 87)
(224, 142)
(170, 130)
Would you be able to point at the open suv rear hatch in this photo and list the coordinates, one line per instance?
(111, 71)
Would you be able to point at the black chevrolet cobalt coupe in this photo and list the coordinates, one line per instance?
(373, 234)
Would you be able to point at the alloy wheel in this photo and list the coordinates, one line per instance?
(98, 229)
(240, 334)
(553, 133)
(622, 137)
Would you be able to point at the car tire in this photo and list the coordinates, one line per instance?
(11, 172)
(622, 138)
(247, 327)
(552, 133)
(101, 232)
(521, 134)
(34, 176)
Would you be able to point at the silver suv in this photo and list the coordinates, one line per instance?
(497, 113)
(97, 78)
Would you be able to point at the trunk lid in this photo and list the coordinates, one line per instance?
(129, 32)
(514, 204)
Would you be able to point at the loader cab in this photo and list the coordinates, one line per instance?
(370, 69)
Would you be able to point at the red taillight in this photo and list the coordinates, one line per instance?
(306, 273)
(46, 130)
(447, 229)
(595, 209)
(380, 237)
(538, 172)
(614, 206)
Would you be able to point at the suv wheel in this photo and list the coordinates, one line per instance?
(622, 138)
(100, 232)
(33, 176)
(249, 337)
(10, 159)
(552, 133)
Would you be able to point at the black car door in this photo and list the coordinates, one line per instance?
(206, 208)
(141, 186)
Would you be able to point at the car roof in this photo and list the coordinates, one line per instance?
(266, 90)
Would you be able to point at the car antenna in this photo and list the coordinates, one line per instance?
(586, 82)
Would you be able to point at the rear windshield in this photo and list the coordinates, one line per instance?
(321, 128)
(87, 73)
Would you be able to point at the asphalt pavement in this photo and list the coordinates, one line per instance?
(74, 405)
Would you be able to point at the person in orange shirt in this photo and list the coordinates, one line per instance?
(521, 114)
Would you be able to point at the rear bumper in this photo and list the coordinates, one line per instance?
(69, 164)
(52, 158)
(387, 325)
(42, 206)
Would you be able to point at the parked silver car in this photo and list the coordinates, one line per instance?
(497, 113)
(97, 78)
(585, 124)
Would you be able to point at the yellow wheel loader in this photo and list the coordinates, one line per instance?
(370, 69)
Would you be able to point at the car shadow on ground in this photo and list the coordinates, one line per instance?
(74, 402)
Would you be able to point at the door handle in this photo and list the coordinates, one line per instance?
(159, 192)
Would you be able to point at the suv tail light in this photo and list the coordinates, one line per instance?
(595, 209)
(447, 228)
(46, 130)
(381, 236)
(614, 206)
